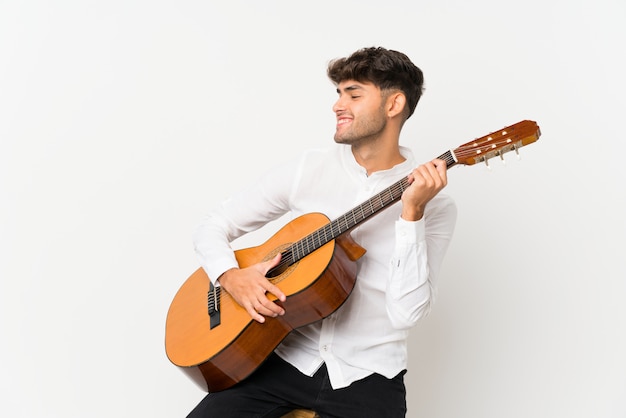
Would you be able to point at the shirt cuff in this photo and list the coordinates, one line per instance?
(410, 232)
(217, 268)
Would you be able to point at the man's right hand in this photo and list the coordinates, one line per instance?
(249, 287)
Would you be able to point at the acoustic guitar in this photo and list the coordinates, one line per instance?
(214, 341)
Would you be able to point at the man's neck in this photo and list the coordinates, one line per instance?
(377, 156)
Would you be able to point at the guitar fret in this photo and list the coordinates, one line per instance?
(303, 245)
(301, 249)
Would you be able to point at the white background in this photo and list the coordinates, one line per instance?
(123, 122)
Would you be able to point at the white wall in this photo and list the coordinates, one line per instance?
(122, 122)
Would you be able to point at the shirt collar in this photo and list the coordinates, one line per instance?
(399, 169)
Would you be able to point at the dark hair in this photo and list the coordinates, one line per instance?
(386, 69)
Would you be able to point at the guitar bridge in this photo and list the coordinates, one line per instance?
(213, 305)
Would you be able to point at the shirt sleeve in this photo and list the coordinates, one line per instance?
(263, 201)
(419, 251)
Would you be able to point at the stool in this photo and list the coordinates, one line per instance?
(301, 413)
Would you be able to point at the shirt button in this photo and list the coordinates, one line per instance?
(325, 348)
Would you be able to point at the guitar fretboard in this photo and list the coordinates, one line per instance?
(350, 219)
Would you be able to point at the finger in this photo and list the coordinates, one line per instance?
(261, 307)
(266, 266)
(414, 175)
(254, 314)
(423, 175)
(434, 177)
(442, 169)
(270, 287)
(434, 173)
(268, 308)
(275, 290)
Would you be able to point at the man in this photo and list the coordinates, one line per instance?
(352, 363)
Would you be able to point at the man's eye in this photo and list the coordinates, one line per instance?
(355, 97)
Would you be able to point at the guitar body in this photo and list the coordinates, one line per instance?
(219, 357)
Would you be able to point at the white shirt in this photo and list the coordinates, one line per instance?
(396, 278)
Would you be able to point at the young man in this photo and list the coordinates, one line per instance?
(352, 363)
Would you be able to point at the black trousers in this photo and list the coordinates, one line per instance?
(277, 387)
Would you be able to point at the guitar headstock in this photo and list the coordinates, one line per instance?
(498, 143)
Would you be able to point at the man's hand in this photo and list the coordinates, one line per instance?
(249, 288)
(425, 182)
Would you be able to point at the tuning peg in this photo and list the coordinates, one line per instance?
(516, 149)
(502, 158)
(487, 164)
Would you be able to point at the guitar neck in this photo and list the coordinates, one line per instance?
(354, 217)
(372, 206)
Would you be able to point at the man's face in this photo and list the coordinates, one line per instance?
(360, 112)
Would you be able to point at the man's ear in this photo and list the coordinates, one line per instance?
(396, 103)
